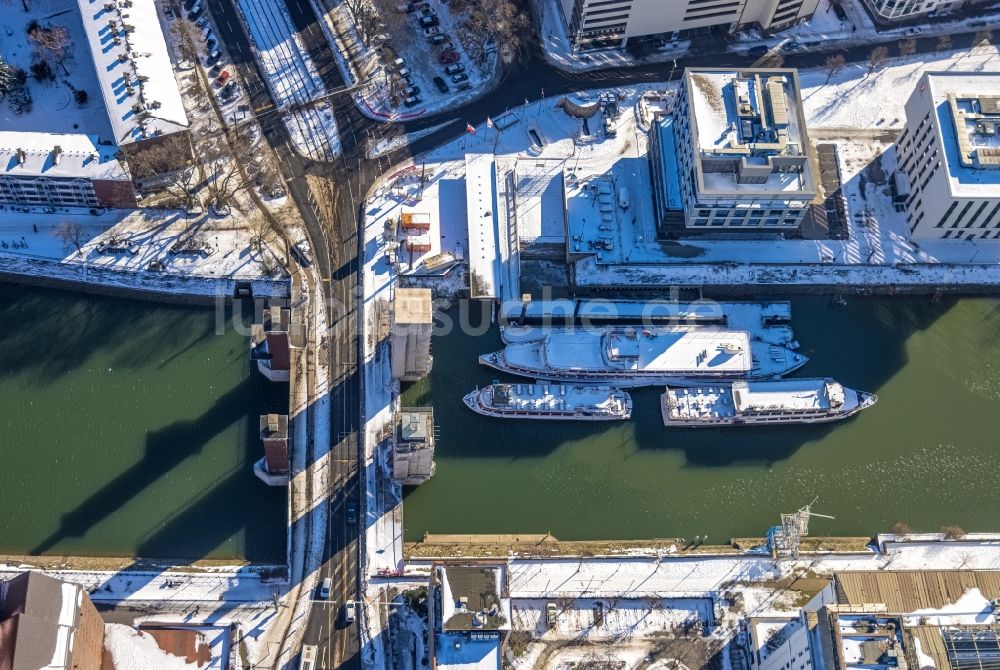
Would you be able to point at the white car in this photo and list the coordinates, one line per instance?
(349, 612)
(913, 31)
(324, 590)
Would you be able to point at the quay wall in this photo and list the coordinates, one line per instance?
(163, 287)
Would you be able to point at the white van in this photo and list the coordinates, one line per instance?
(324, 590)
(623, 197)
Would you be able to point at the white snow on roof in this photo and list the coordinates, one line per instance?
(461, 651)
(127, 41)
(972, 608)
(484, 239)
(751, 115)
(79, 156)
(965, 86)
(132, 649)
(791, 394)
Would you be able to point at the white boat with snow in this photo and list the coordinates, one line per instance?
(550, 401)
(630, 357)
(762, 402)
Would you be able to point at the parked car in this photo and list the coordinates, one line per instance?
(915, 30)
(428, 21)
(430, 32)
(408, 80)
(228, 91)
(449, 57)
(404, 72)
(213, 58)
(757, 52)
(439, 38)
(441, 85)
(352, 511)
(454, 68)
(194, 14)
(202, 22)
(211, 43)
(349, 612)
(189, 5)
(460, 77)
(215, 69)
(412, 91)
(223, 76)
(324, 589)
(790, 46)
(412, 101)
(464, 86)
(427, 10)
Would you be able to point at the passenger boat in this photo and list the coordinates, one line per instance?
(630, 357)
(550, 401)
(762, 402)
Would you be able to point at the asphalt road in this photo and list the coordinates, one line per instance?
(330, 195)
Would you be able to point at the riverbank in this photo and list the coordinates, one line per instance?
(146, 285)
(440, 546)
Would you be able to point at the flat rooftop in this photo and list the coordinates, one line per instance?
(967, 106)
(748, 130)
(133, 68)
(413, 306)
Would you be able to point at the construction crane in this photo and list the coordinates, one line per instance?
(784, 539)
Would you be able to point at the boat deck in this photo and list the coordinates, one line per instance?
(549, 397)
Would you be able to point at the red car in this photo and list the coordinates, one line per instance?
(449, 57)
(223, 76)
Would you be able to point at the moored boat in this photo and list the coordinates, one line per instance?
(550, 401)
(629, 357)
(762, 402)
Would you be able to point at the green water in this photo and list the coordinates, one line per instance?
(927, 453)
(130, 428)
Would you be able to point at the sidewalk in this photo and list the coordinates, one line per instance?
(815, 34)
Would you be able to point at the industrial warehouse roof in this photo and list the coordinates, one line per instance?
(58, 156)
(38, 616)
(134, 69)
(911, 590)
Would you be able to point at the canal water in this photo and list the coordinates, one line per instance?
(129, 428)
(927, 453)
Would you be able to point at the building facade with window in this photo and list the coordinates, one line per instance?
(889, 11)
(59, 170)
(948, 154)
(742, 153)
(598, 24)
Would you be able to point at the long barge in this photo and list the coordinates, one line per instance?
(550, 401)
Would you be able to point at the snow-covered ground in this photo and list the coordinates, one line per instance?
(292, 78)
(361, 62)
(53, 109)
(858, 112)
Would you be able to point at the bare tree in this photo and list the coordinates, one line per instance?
(943, 43)
(834, 65)
(261, 232)
(494, 22)
(876, 57)
(953, 532)
(52, 42)
(907, 47)
(900, 528)
(70, 232)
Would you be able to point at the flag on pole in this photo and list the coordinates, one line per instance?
(526, 103)
(489, 122)
(469, 128)
(543, 92)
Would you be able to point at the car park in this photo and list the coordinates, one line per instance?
(464, 86)
(441, 84)
(202, 22)
(412, 101)
(455, 68)
(790, 46)
(223, 76)
(194, 14)
(449, 57)
(215, 69)
(412, 91)
(459, 78)
(404, 72)
(189, 5)
(211, 43)
(426, 10)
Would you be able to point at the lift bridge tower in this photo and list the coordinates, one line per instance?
(783, 540)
